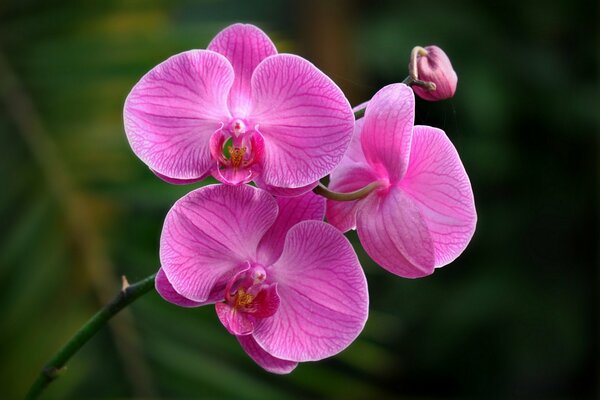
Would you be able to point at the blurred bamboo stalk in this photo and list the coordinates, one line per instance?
(327, 36)
(80, 223)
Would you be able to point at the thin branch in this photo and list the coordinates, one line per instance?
(57, 363)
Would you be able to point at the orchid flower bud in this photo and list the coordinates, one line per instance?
(432, 66)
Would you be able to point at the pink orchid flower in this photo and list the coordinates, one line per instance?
(423, 214)
(240, 111)
(286, 284)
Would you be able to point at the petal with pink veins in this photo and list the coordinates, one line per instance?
(174, 109)
(439, 186)
(178, 181)
(210, 233)
(304, 117)
(264, 359)
(236, 322)
(167, 292)
(394, 234)
(284, 192)
(292, 210)
(323, 296)
(245, 46)
(387, 130)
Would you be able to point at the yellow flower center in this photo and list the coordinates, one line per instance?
(236, 155)
(243, 299)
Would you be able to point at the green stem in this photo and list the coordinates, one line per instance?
(356, 195)
(56, 365)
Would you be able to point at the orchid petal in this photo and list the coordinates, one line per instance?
(264, 359)
(174, 109)
(292, 210)
(323, 292)
(395, 235)
(304, 117)
(284, 192)
(245, 46)
(179, 181)
(236, 322)
(210, 233)
(266, 302)
(438, 184)
(166, 291)
(387, 130)
(353, 173)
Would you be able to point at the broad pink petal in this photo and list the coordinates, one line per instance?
(394, 234)
(284, 192)
(323, 292)
(165, 289)
(353, 173)
(236, 322)
(291, 211)
(210, 233)
(304, 117)
(174, 109)
(245, 46)
(387, 130)
(167, 292)
(264, 359)
(438, 184)
(179, 181)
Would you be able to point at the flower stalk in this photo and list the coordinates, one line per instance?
(413, 70)
(356, 195)
(409, 80)
(52, 370)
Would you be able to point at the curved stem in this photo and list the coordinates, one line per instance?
(356, 195)
(413, 70)
(56, 365)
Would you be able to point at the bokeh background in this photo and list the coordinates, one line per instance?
(516, 316)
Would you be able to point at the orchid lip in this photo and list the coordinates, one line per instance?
(248, 299)
(237, 151)
(244, 287)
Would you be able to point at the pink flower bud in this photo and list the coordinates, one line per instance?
(433, 65)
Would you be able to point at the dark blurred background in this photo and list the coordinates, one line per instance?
(516, 316)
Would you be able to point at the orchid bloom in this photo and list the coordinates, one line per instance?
(240, 112)
(286, 284)
(422, 215)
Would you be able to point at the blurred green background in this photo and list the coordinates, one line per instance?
(516, 316)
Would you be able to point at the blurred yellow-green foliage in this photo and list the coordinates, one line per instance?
(516, 316)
